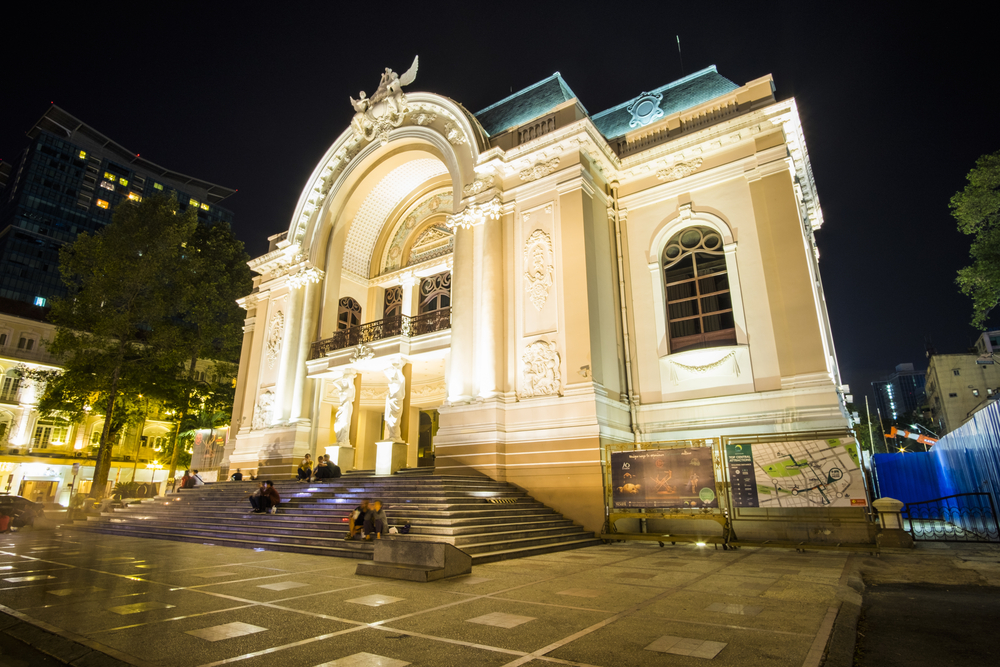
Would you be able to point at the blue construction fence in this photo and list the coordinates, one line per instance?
(967, 460)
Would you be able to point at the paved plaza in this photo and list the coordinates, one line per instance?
(152, 602)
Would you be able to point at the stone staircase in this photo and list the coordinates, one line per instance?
(488, 520)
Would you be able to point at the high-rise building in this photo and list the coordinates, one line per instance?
(900, 393)
(68, 180)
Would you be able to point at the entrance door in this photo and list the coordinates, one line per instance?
(40, 492)
(425, 445)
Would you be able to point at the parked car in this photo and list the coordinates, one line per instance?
(22, 512)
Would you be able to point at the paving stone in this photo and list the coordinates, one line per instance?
(581, 592)
(139, 607)
(226, 631)
(695, 648)
(501, 620)
(472, 580)
(212, 575)
(365, 660)
(34, 577)
(739, 609)
(375, 600)
(282, 586)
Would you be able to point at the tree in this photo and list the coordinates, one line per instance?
(114, 329)
(977, 210)
(209, 323)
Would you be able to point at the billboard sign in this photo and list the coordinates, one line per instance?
(681, 478)
(797, 473)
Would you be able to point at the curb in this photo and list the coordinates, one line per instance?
(66, 647)
(844, 638)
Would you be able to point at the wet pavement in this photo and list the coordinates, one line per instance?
(149, 602)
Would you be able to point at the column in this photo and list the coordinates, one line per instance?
(410, 301)
(460, 367)
(288, 355)
(490, 325)
(303, 388)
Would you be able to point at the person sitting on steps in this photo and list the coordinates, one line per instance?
(265, 500)
(305, 470)
(376, 522)
(237, 476)
(357, 519)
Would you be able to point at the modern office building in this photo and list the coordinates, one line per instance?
(534, 291)
(68, 180)
(901, 393)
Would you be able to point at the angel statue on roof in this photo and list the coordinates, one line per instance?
(385, 109)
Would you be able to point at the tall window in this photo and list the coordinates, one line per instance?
(393, 301)
(349, 314)
(11, 383)
(435, 292)
(699, 305)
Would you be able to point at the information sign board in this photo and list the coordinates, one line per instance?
(669, 478)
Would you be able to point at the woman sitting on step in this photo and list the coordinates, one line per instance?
(305, 469)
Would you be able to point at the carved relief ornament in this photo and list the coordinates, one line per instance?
(539, 170)
(540, 370)
(539, 272)
(679, 170)
(386, 109)
(275, 332)
(262, 411)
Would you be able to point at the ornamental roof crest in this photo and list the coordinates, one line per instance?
(385, 109)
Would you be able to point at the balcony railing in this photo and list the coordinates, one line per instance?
(397, 325)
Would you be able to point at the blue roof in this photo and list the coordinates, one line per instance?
(522, 106)
(692, 90)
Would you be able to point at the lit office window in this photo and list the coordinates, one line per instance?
(83, 155)
(194, 202)
(111, 177)
(101, 203)
(123, 181)
(204, 207)
(107, 186)
(134, 196)
(158, 186)
(40, 301)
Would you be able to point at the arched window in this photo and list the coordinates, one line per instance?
(699, 305)
(393, 304)
(349, 314)
(435, 293)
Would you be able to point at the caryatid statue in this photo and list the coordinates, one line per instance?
(345, 408)
(394, 402)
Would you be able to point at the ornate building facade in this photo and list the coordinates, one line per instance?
(514, 292)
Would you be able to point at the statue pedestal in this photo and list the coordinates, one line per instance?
(389, 456)
(342, 456)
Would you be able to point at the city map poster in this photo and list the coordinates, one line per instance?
(798, 473)
(669, 478)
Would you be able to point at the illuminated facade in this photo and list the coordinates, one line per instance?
(68, 180)
(510, 293)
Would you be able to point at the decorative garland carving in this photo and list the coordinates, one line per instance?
(478, 186)
(539, 169)
(476, 214)
(679, 170)
(540, 369)
(539, 273)
(706, 368)
(275, 332)
(454, 134)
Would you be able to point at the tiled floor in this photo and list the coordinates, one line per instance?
(621, 604)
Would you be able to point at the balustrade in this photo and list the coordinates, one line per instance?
(395, 325)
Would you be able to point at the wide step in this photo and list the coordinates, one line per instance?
(486, 519)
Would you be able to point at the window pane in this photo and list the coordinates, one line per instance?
(719, 322)
(685, 328)
(718, 302)
(716, 283)
(683, 309)
(709, 264)
(681, 291)
(682, 270)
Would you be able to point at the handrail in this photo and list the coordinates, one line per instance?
(388, 327)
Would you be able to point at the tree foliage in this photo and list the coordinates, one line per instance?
(977, 210)
(148, 295)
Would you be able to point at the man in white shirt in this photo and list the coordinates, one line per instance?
(198, 481)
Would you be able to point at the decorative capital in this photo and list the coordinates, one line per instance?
(305, 276)
(476, 214)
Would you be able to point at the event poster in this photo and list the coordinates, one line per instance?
(797, 473)
(669, 478)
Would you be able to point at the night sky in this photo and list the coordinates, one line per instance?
(895, 106)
